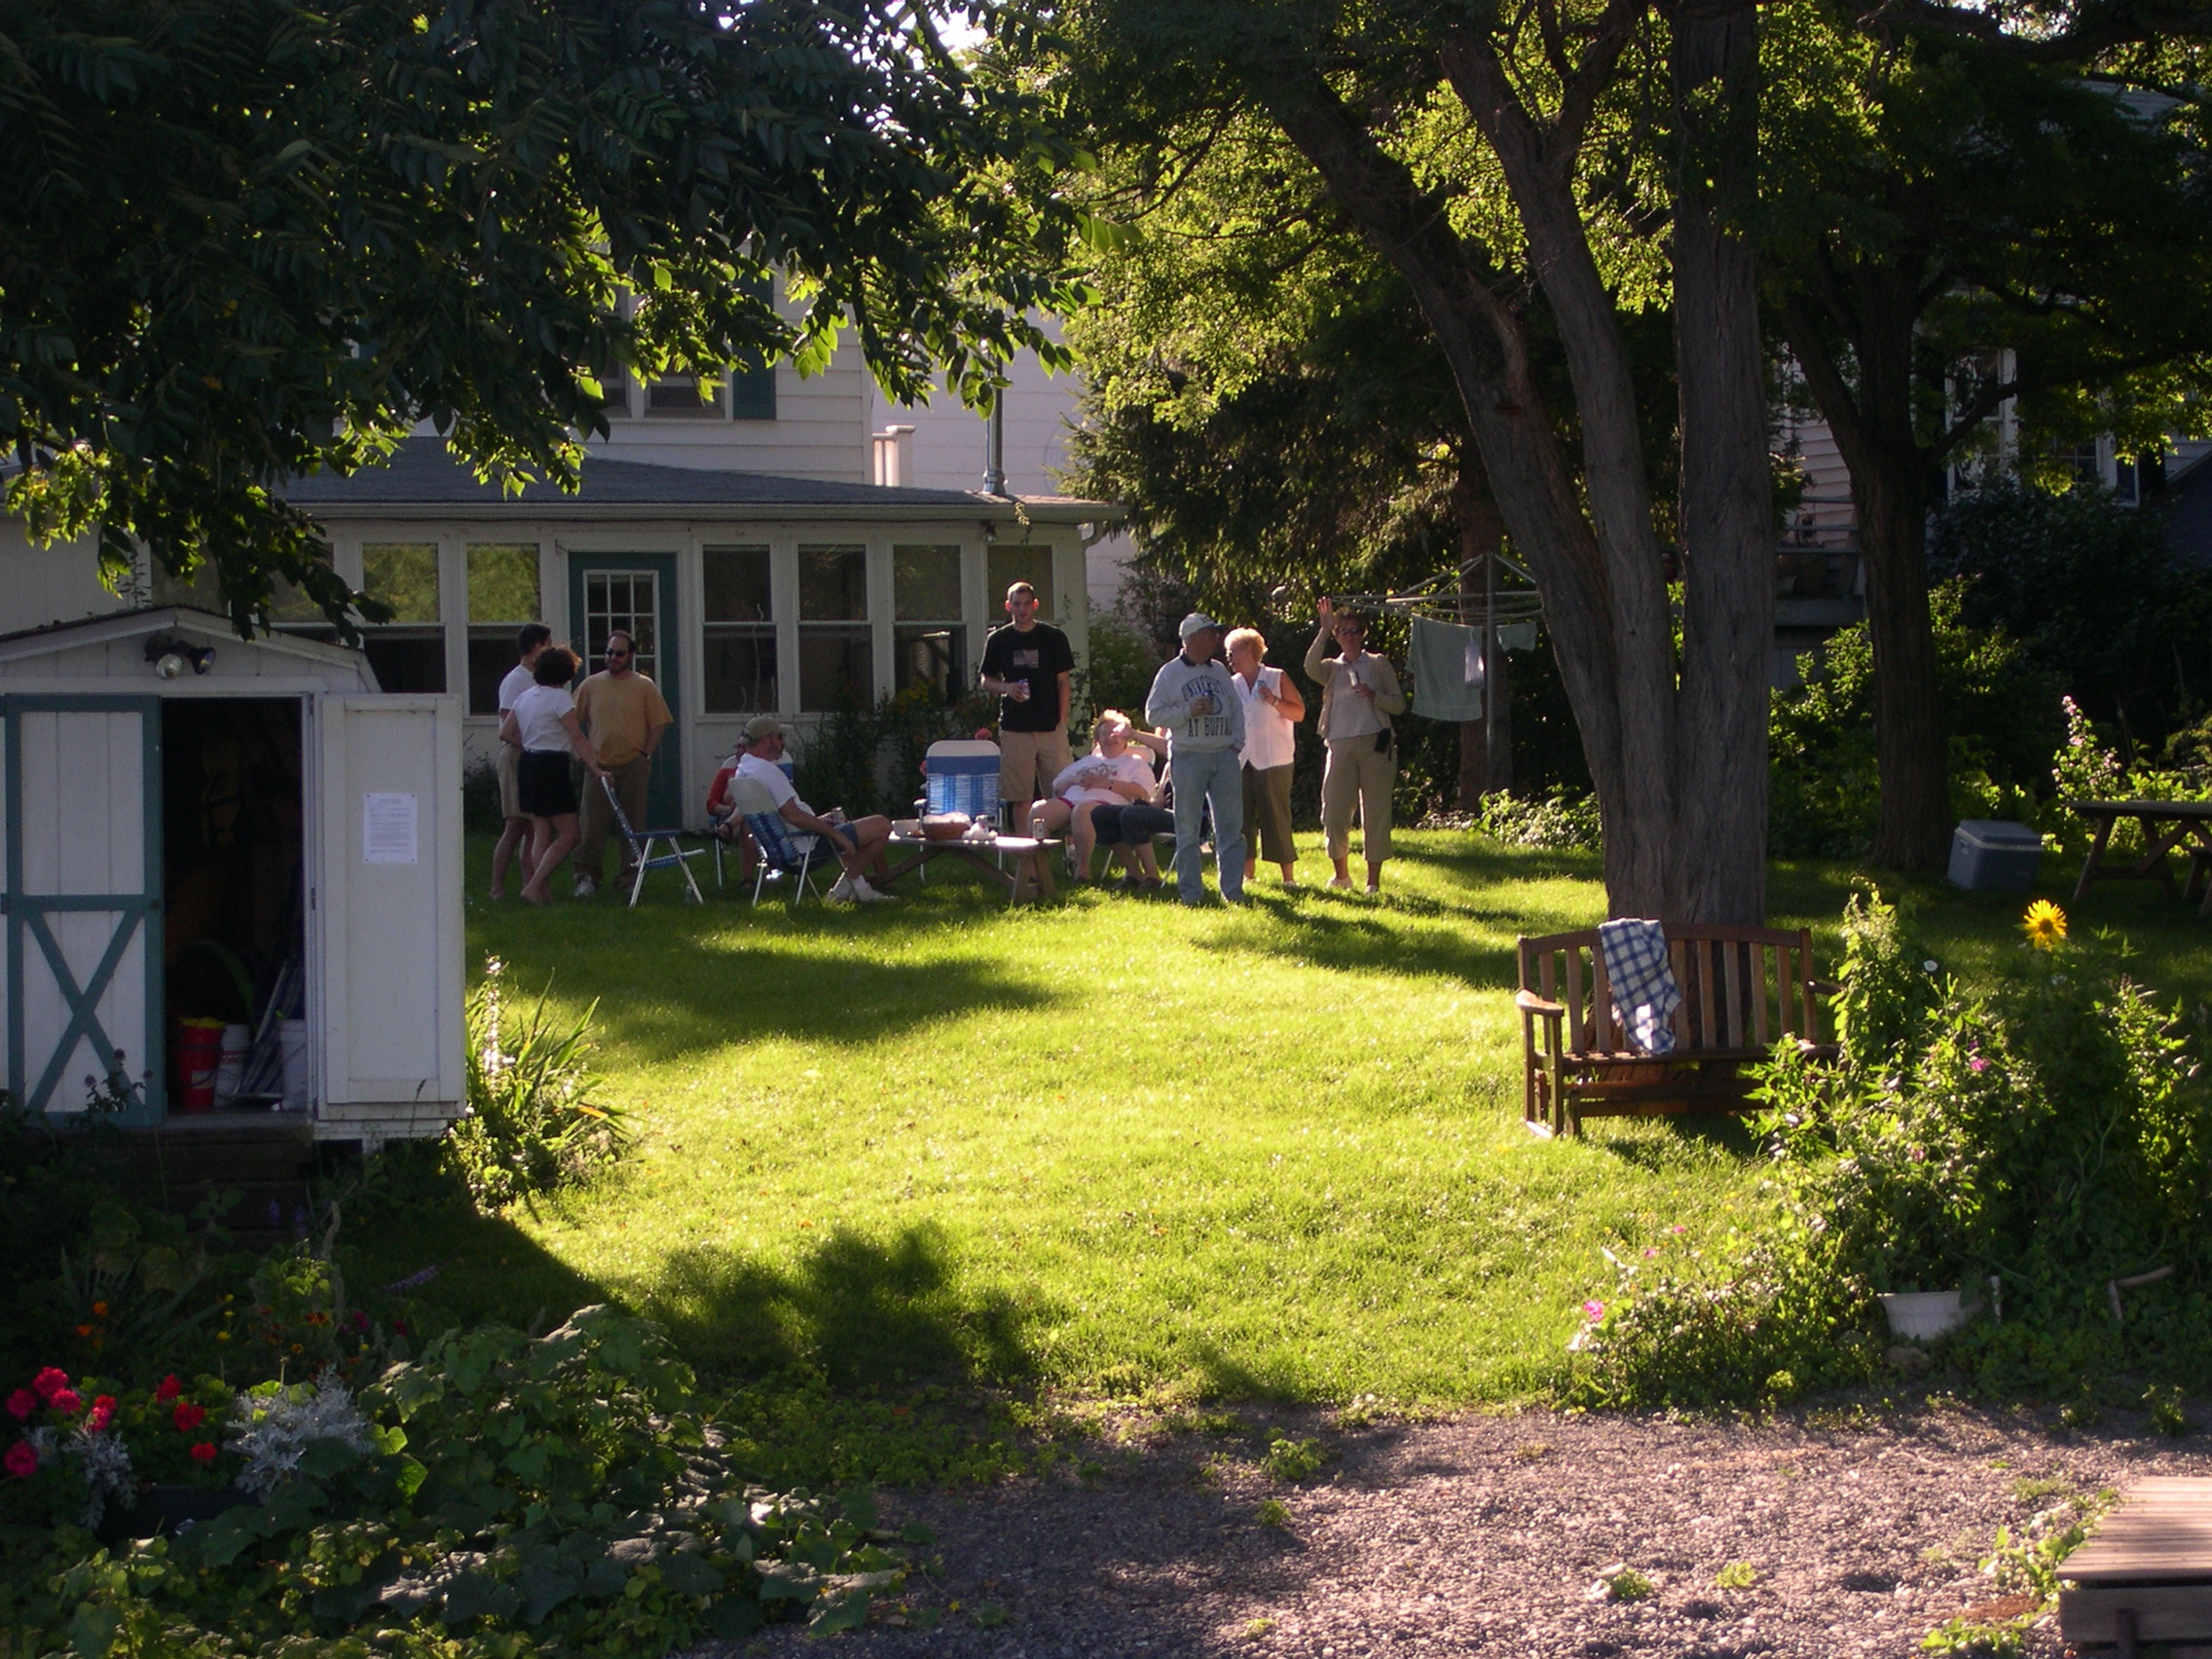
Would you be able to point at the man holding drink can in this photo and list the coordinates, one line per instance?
(1027, 666)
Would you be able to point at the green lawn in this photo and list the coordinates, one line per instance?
(1118, 1144)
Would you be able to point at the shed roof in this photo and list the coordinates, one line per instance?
(95, 641)
(423, 475)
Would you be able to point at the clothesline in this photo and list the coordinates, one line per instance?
(1444, 598)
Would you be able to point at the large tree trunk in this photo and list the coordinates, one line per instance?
(1727, 489)
(1870, 413)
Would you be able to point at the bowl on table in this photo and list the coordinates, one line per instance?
(946, 825)
(908, 826)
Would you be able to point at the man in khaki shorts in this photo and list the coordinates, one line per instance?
(1028, 665)
(514, 822)
(625, 716)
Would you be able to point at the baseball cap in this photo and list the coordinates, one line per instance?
(1198, 622)
(764, 725)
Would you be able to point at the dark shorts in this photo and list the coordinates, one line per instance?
(543, 785)
(1131, 826)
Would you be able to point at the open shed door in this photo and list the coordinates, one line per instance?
(384, 900)
(83, 989)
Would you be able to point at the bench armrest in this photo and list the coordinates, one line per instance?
(1527, 1002)
(1827, 987)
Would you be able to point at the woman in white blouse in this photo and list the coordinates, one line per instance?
(543, 724)
(1272, 709)
(1359, 694)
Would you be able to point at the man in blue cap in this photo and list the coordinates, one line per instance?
(1195, 703)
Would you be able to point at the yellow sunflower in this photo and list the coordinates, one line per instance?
(2045, 925)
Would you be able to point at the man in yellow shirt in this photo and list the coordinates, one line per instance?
(625, 716)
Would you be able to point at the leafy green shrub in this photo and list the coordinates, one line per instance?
(532, 1124)
(503, 1497)
(1291, 1461)
(2047, 1134)
(1562, 818)
(2000, 709)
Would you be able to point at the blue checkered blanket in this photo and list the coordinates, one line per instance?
(1645, 994)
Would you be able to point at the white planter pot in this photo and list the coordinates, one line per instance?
(1923, 1315)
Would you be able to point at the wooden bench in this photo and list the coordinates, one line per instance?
(1743, 990)
(2146, 1575)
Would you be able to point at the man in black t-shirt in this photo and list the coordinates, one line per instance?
(1027, 665)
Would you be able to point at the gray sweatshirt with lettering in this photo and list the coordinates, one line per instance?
(1175, 687)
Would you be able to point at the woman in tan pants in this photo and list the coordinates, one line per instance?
(1359, 694)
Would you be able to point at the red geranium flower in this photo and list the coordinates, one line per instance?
(204, 1452)
(66, 1400)
(190, 1417)
(21, 1403)
(168, 1390)
(103, 1411)
(22, 1461)
(49, 1382)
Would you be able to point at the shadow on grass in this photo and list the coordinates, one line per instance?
(720, 993)
(861, 1311)
(858, 1310)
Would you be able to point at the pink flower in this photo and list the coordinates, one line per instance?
(1593, 1311)
(190, 1417)
(103, 1411)
(1978, 1066)
(21, 1403)
(168, 1389)
(1650, 1250)
(49, 1382)
(204, 1452)
(22, 1461)
(66, 1400)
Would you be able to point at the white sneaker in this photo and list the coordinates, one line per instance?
(586, 889)
(843, 893)
(864, 894)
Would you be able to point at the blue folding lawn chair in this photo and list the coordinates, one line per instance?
(641, 854)
(786, 854)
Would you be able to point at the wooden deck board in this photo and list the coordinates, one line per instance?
(2147, 1575)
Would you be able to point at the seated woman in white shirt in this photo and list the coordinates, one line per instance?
(1117, 770)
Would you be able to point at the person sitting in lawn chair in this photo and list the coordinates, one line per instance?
(858, 843)
(1116, 772)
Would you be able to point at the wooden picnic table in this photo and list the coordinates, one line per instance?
(1031, 880)
(2166, 825)
(2146, 1576)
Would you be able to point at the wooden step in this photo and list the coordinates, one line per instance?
(2147, 1575)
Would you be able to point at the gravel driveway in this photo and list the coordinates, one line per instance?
(1485, 1535)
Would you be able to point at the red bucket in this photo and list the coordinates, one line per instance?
(198, 1051)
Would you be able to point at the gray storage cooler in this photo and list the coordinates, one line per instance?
(1991, 856)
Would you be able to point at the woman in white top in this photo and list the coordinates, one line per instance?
(1272, 709)
(1115, 771)
(543, 724)
(1359, 694)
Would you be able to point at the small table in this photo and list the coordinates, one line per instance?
(1030, 883)
(2167, 824)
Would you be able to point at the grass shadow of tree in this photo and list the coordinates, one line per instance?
(861, 1311)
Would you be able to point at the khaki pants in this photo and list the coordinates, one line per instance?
(506, 765)
(1356, 773)
(629, 780)
(1030, 761)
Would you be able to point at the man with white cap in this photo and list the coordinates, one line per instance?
(1194, 701)
(858, 843)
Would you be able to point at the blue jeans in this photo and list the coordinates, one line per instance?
(1217, 775)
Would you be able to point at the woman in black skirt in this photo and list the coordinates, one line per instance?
(543, 725)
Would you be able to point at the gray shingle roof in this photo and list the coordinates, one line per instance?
(423, 475)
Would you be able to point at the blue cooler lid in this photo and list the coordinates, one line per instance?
(1998, 833)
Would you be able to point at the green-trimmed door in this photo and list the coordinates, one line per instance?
(81, 795)
(635, 592)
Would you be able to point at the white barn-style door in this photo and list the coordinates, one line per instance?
(384, 910)
(82, 791)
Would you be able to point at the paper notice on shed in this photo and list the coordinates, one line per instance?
(388, 829)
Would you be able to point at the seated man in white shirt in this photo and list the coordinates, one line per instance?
(859, 843)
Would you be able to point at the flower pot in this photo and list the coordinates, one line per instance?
(164, 1507)
(1923, 1315)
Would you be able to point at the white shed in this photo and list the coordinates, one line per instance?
(215, 835)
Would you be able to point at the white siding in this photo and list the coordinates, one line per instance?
(41, 585)
(820, 431)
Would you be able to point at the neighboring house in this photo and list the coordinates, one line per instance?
(743, 538)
